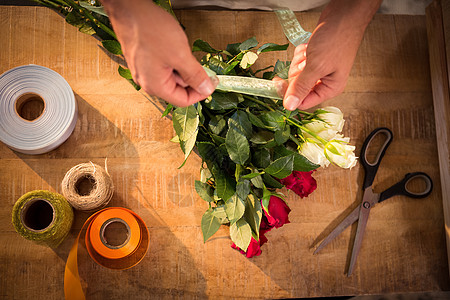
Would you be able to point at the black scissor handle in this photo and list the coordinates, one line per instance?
(371, 168)
(401, 188)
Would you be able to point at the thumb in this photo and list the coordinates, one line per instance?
(195, 76)
(299, 87)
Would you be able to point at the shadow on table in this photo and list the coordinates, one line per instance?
(95, 138)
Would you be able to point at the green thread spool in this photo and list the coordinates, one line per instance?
(42, 217)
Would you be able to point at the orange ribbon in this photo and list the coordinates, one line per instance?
(121, 257)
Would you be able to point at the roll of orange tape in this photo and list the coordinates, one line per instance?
(119, 257)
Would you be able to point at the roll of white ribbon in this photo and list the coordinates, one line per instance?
(57, 120)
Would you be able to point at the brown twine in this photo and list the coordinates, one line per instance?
(102, 186)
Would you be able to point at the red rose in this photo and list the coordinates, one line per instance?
(277, 217)
(254, 249)
(278, 214)
(302, 183)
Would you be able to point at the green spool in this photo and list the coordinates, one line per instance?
(42, 217)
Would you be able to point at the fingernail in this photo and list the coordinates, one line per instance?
(206, 87)
(291, 102)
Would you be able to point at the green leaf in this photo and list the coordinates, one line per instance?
(262, 137)
(218, 140)
(201, 45)
(281, 167)
(248, 44)
(204, 190)
(301, 163)
(225, 185)
(209, 153)
(281, 69)
(87, 29)
(97, 9)
(233, 49)
(237, 146)
(240, 121)
(272, 47)
(198, 106)
(257, 182)
(112, 46)
(241, 234)
(263, 69)
(77, 20)
(266, 199)
(165, 4)
(255, 120)
(243, 189)
(219, 213)
(230, 67)
(175, 139)
(125, 73)
(271, 182)
(253, 214)
(210, 224)
(217, 65)
(185, 122)
(282, 135)
(261, 158)
(217, 123)
(234, 207)
(250, 176)
(273, 119)
(237, 172)
(167, 110)
(221, 101)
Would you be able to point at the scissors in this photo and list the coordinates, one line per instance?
(361, 213)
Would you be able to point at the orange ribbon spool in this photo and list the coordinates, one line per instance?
(119, 257)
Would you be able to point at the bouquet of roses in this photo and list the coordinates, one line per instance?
(249, 144)
(251, 147)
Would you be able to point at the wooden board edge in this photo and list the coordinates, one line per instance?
(441, 102)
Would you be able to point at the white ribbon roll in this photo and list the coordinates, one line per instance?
(57, 120)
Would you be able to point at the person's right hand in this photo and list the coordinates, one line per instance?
(157, 52)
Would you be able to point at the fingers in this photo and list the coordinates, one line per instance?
(299, 87)
(194, 76)
(181, 87)
(176, 91)
(323, 90)
(298, 61)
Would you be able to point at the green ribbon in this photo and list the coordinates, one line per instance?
(291, 27)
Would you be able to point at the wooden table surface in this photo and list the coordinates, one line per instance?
(404, 248)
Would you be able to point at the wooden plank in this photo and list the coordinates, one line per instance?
(438, 39)
(404, 249)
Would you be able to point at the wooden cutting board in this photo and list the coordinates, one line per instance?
(404, 248)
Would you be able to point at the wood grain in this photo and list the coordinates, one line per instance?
(438, 26)
(404, 248)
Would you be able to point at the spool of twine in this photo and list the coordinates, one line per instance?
(87, 186)
(43, 217)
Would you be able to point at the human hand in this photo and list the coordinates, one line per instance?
(320, 69)
(157, 52)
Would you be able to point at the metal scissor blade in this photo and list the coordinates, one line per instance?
(369, 200)
(350, 219)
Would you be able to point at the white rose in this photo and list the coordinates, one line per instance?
(341, 153)
(321, 129)
(314, 153)
(333, 117)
